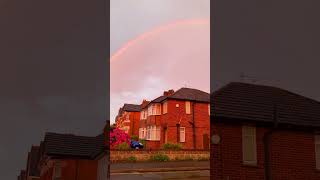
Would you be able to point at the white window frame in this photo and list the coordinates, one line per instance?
(188, 107)
(153, 133)
(182, 134)
(249, 132)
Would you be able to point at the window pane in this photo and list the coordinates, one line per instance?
(188, 107)
(249, 144)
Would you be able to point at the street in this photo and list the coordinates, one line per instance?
(161, 170)
(188, 175)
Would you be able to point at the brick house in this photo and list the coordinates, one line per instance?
(128, 119)
(103, 156)
(177, 117)
(263, 132)
(66, 156)
(32, 172)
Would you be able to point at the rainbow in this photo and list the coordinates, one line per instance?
(166, 27)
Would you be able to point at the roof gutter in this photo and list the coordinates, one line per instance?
(267, 140)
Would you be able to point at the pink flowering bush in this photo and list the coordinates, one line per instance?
(117, 137)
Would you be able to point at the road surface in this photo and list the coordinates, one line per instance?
(188, 170)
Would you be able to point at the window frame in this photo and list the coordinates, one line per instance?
(57, 170)
(188, 107)
(165, 107)
(245, 134)
(184, 134)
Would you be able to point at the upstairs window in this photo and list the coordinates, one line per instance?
(187, 107)
(317, 150)
(249, 146)
(165, 107)
(127, 119)
(143, 114)
(154, 109)
(57, 170)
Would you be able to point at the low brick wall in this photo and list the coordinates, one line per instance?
(144, 155)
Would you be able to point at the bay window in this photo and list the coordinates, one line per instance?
(153, 133)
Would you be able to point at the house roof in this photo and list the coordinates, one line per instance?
(33, 159)
(266, 104)
(191, 94)
(131, 107)
(185, 94)
(159, 99)
(72, 145)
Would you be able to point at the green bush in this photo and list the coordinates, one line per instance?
(123, 146)
(169, 146)
(134, 137)
(160, 158)
(132, 159)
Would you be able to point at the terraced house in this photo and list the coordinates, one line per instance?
(180, 117)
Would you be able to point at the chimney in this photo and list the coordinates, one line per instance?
(144, 102)
(168, 93)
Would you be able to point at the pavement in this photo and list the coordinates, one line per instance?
(189, 170)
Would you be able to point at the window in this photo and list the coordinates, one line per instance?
(249, 147)
(143, 114)
(149, 110)
(148, 133)
(153, 133)
(317, 150)
(158, 109)
(187, 107)
(157, 133)
(127, 117)
(165, 107)
(142, 133)
(182, 134)
(57, 170)
(154, 109)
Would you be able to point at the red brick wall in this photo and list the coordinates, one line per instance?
(292, 155)
(72, 169)
(176, 114)
(134, 123)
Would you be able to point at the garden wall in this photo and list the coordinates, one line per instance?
(144, 155)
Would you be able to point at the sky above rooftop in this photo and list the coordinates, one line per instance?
(157, 45)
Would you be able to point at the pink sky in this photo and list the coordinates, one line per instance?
(167, 57)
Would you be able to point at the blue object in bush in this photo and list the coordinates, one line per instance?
(136, 144)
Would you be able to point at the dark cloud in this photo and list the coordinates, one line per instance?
(275, 42)
(53, 73)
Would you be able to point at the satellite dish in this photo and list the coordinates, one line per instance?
(215, 139)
